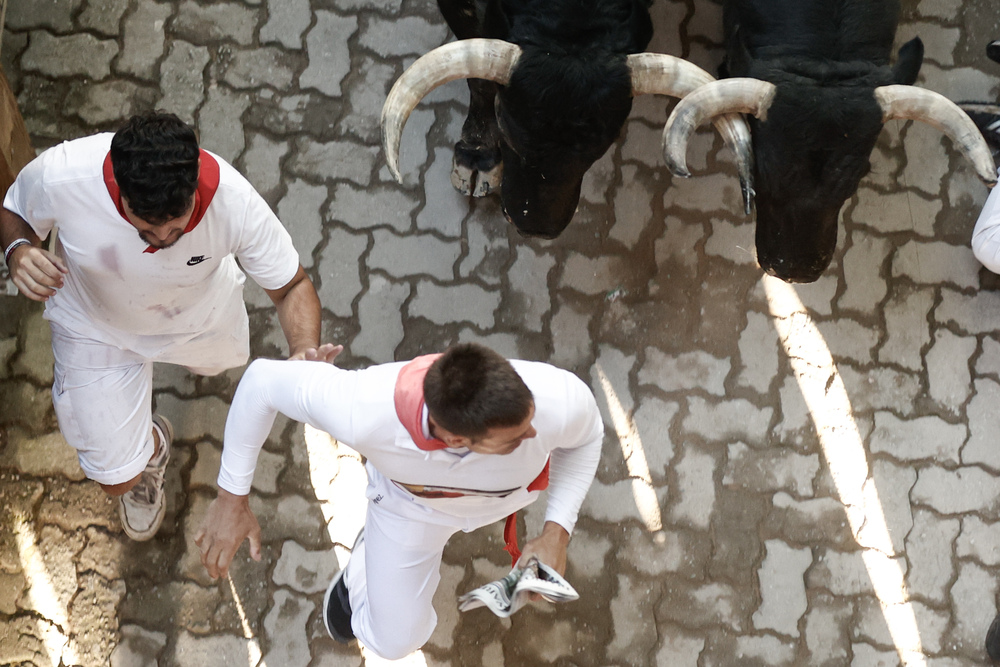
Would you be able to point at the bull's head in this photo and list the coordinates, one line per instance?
(546, 155)
(811, 148)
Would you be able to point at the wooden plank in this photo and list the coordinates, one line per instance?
(15, 144)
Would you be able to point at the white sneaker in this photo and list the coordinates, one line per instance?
(141, 509)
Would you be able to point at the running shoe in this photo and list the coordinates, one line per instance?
(142, 508)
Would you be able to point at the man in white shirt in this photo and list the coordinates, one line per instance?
(986, 234)
(150, 227)
(453, 442)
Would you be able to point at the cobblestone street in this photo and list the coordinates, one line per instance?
(802, 475)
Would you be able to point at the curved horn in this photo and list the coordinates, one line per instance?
(490, 59)
(708, 102)
(938, 111)
(659, 73)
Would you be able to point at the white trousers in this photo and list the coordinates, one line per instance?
(103, 396)
(393, 574)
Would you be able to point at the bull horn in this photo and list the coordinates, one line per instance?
(662, 74)
(489, 59)
(912, 103)
(728, 96)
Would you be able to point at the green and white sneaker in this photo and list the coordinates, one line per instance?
(141, 509)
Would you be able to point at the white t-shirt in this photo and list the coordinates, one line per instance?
(118, 294)
(357, 409)
(986, 235)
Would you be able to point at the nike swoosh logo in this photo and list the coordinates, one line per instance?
(197, 260)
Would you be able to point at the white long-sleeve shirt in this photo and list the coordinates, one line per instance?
(357, 409)
(986, 235)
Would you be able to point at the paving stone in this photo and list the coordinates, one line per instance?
(795, 418)
(35, 359)
(632, 207)
(263, 66)
(826, 628)
(49, 596)
(929, 552)
(102, 16)
(973, 601)
(939, 8)
(599, 177)
(917, 439)
(975, 314)
(705, 192)
(988, 362)
(782, 587)
(695, 488)
(849, 339)
(380, 317)
(391, 7)
(862, 268)
(286, 21)
(983, 423)
(299, 211)
(209, 457)
(634, 627)
(768, 650)
(414, 255)
(410, 35)
(75, 506)
(72, 55)
(892, 484)
(343, 160)
(329, 56)
(138, 647)
(434, 302)
(340, 279)
(770, 470)
(506, 345)
(949, 377)
(448, 615)
(54, 14)
(42, 456)
(489, 250)
(529, 282)
(217, 22)
(881, 388)
(979, 540)
(612, 503)
(143, 40)
(262, 164)
(925, 143)
(610, 380)
(737, 419)
(92, 616)
(678, 648)
(220, 124)
(931, 624)
(713, 604)
(570, 336)
(588, 554)
(967, 489)
(906, 315)
(195, 419)
(11, 587)
(593, 276)
(27, 640)
(286, 629)
(444, 212)
(110, 101)
(181, 79)
(936, 262)
(681, 373)
(223, 650)
(103, 554)
(734, 242)
(941, 41)
(653, 421)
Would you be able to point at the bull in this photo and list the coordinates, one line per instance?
(551, 83)
(815, 76)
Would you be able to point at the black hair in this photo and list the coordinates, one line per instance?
(155, 161)
(470, 389)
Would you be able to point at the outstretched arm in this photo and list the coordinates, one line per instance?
(37, 272)
(299, 314)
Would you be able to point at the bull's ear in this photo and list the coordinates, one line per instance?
(993, 51)
(911, 55)
(640, 26)
(495, 23)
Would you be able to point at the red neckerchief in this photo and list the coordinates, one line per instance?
(208, 184)
(408, 397)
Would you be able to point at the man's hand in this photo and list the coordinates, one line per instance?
(549, 547)
(37, 273)
(326, 352)
(227, 523)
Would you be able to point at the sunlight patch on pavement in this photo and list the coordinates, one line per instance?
(253, 648)
(634, 455)
(830, 408)
(42, 596)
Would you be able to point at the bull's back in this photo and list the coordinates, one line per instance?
(840, 30)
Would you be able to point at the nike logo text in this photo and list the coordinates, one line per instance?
(197, 259)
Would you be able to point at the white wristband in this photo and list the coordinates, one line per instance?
(15, 244)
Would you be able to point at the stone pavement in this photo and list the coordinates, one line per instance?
(802, 476)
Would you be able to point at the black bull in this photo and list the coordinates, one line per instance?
(815, 75)
(551, 84)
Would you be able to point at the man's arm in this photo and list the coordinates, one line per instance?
(298, 312)
(37, 272)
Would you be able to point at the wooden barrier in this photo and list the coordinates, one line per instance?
(15, 144)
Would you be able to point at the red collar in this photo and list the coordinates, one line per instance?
(208, 184)
(409, 399)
